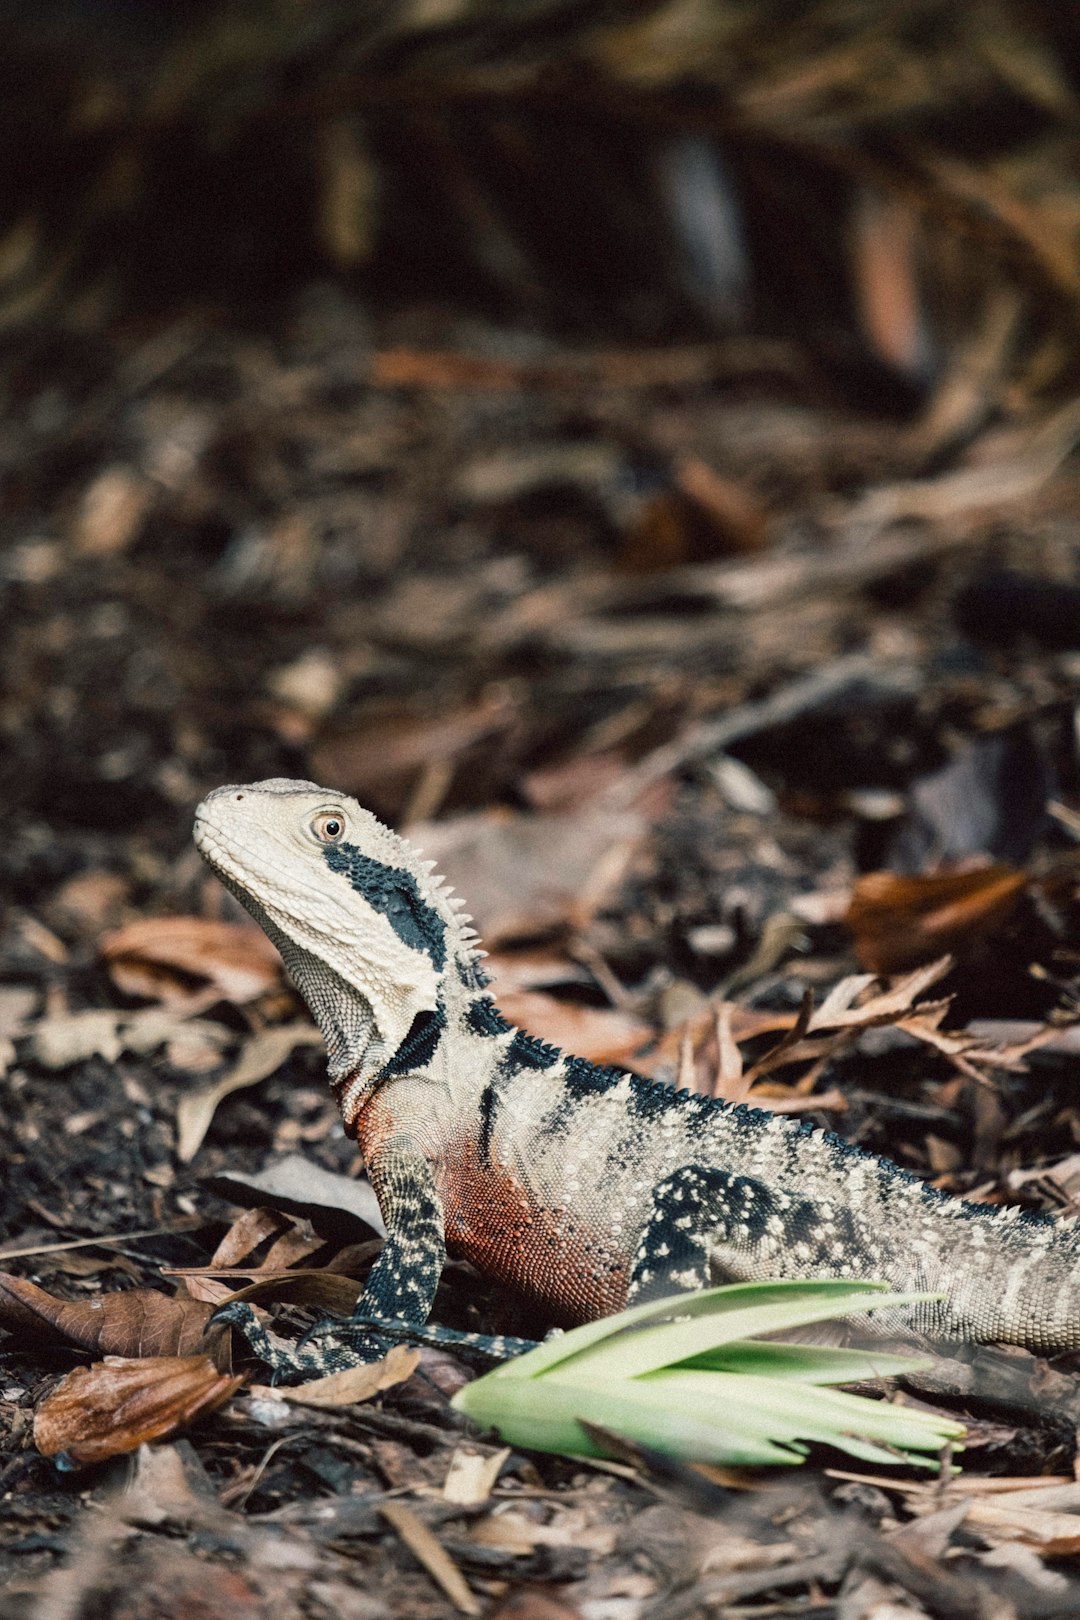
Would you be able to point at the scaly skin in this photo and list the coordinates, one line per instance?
(581, 1188)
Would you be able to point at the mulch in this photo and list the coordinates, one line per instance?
(669, 657)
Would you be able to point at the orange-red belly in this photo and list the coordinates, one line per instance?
(547, 1254)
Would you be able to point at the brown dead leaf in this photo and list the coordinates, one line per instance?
(900, 921)
(247, 1232)
(355, 1384)
(702, 1052)
(698, 1034)
(116, 1405)
(261, 1056)
(138, 1322)
(161, 957)
(601, 1034)
(322, 1288)
(429, 1551)
(842, 1007)
(526, 875)
(292, 1247)
(379, 760)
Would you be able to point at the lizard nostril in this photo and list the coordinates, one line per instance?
(239, 796)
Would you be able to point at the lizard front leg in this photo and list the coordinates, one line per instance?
(402, 1283)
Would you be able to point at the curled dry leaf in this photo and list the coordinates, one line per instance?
(899, 921)
(321, 1288)
(137, 1322)
(702, 1052)
(842, 1007)
(247, 1232)
(162, 957)
(355, 1383)
(116, 1405)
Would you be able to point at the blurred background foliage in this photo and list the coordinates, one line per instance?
(895, 181)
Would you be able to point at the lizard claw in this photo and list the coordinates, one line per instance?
(289, 1361)
(342, 1344)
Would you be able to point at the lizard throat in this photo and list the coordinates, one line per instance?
(356, 1087)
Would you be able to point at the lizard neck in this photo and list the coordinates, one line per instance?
(471, 1061)
(441, 1041)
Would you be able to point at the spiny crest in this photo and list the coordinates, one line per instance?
(436, 888)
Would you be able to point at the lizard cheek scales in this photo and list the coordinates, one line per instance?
(579, 1186)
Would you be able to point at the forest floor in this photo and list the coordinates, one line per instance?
(705, 689)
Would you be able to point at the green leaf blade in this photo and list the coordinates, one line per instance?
(717, 1303)
(725, 1418)
(806, 1363)
(704, 1388)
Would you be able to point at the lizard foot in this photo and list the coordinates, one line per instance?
(477, 1349)
(295, 1361)
(335, 1345)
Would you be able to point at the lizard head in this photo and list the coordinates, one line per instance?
(368, 936)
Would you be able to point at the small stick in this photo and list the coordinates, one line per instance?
(186, 1223)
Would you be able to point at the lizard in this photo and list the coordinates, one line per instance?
(581, 1187)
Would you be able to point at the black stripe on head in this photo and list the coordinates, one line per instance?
(394, 893)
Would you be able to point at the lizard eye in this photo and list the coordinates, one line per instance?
(328, 827)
